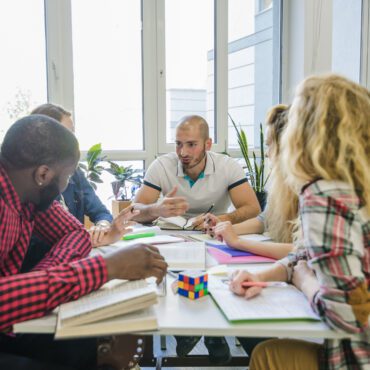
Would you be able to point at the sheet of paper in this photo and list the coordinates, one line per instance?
(187, 255)
(286, 303)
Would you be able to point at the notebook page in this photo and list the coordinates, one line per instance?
(272, 304)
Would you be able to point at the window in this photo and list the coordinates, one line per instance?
(189, 43)
(346, 47)
(107, 64)
(251, 59)
(23, 59)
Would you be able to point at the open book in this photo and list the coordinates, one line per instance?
(142, 320)
(273, 304)
(183, 256)
(175, 223)
(115, 299)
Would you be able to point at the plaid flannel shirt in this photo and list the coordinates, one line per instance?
(336, 244)
(61, 276)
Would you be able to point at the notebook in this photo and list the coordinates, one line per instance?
(175, 223)
(273, 304)
(226, 255)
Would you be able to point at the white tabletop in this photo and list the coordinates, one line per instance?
(178, 315)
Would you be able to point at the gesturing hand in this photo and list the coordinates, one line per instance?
(136, 262)
(119, 227)
(172, 205)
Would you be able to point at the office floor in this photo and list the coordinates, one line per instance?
(200, 349)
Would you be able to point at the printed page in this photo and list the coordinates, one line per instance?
(187, 255)
(124, 291)
(272, 304)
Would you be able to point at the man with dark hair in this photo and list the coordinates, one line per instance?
(38, 155)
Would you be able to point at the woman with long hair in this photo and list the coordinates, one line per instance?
(279, 218)
(326, 159)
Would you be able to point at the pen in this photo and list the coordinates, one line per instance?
(137, 236)
(209, 209)
(173, 274)
(264, 284)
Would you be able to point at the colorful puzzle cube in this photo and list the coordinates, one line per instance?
(193, 284)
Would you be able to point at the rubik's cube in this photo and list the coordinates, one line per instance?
(193, 284)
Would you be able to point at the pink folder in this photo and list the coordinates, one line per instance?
(225, 258)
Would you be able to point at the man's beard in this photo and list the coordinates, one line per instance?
(47, 195)
(190, 166)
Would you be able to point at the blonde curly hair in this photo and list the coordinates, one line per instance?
(282, 202)
(328, 135)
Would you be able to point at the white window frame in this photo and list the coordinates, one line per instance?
(58, 28)
(220, 83)
(365, 49)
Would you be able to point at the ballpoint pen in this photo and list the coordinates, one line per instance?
(264, 284)
(209, 209)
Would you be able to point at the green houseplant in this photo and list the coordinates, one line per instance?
(255, 170)
(123, 175)
(93, 168)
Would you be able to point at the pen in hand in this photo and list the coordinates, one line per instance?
(209, 209)
(264, 284)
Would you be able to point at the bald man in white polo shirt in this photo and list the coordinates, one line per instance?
(194, 178)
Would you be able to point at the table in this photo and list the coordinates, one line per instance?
(178, 315)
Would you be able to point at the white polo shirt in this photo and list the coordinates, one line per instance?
(221, 174)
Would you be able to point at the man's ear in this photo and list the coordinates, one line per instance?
(43, 175)
(208, 144)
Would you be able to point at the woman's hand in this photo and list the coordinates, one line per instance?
(236, 280)
(304, 279)
(224, 231)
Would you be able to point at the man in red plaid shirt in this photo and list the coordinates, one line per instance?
(38, 155)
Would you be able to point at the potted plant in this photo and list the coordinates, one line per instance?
(93, 169)
(123, 175)
(255, 171)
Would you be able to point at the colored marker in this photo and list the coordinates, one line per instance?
(264, 284)
(138, 236)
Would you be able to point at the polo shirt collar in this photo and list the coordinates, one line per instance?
(209, 170)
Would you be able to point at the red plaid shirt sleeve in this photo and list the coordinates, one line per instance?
(62, 275)
(69, 239)
(32, 295)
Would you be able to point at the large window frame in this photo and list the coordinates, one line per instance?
(58, 27)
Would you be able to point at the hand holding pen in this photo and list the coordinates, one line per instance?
(245, 284)
(198, 223)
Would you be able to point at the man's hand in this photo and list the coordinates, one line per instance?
(120, 226)
(238, 277)
(136, 262)
(210, 221)
(172, 205)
